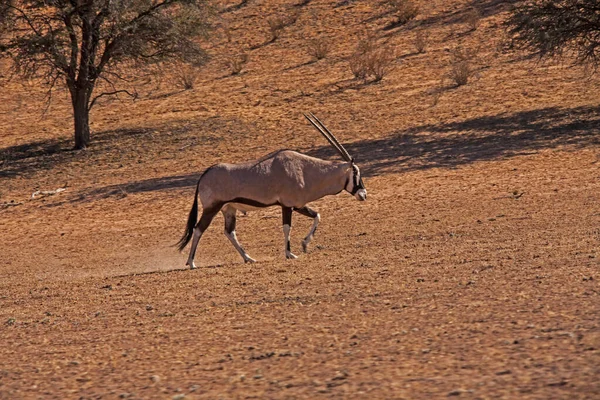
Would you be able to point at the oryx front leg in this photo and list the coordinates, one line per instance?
(201, 226)
(287, 227)
(309, 212)
(230, 221)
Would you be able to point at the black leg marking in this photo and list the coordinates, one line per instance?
(286, 214)
(308, 212)
(230, 222)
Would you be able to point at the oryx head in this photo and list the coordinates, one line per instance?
(354, 183)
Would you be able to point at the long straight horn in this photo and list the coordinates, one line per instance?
(321, 128)
(341, 148)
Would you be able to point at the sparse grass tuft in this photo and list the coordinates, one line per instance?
(185, 75)
(461, 65)
(380, 62)
(421, 41)
(278, 22)
(369, 60)
(366, 44)
(318, 48)
(404, 10)
(473, 18)
(358, 66)
(236, 62)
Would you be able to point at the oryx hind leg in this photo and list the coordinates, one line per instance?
(286, 213)
(230, 222)
(205, 220)
(309, 212)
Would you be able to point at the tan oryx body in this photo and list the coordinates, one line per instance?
(284, 178)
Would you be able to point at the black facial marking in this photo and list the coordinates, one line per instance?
(357, 182)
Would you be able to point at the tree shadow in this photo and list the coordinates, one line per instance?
(116, 147)
(122, 190)
(38, 155)
(234, 7)
(453, 144)
(303, 64)
(486, 8)
(443, 145)
(46, 154)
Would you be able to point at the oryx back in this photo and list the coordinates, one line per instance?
(282, 178)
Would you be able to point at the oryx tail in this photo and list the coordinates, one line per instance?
(191, 222)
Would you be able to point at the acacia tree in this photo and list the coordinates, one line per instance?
(558, 28)
(87, 44)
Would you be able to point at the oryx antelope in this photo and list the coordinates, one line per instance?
(284, 178)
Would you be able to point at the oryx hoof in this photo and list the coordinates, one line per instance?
(191, 265)
(249, 260)
(305, 246)
(290, 256)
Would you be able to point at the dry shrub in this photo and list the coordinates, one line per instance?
(318, 48)
(380, 62)
(366, 44)
(404, 10)
(279, 22)
(461, 65)
(185, 75)
(369, 60)
(460, 72)
(358, 66)
(421, 41)
(227, 32)
(236, 62)
(473, 18)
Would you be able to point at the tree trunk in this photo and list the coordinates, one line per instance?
(81, 113)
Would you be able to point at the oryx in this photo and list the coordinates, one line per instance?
(284, 178)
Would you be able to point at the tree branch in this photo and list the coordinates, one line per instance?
(26, 18)
(133, 95)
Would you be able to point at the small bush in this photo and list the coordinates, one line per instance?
(278, 23)
(404, 10)
(460, 72)
(236, 62)
(473, 18)
(318, 48)
(461, 65)
(380, 62)
(185, 75)
(366, 44)
(358, 65)
(421, 41)
(369, 60)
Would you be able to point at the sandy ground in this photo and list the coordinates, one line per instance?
(472, 270)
